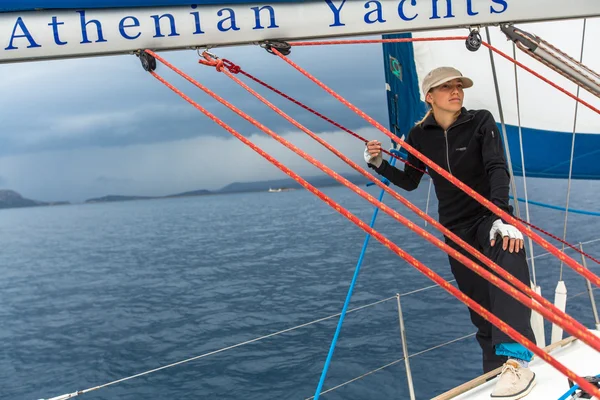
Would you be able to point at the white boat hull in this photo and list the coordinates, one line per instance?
(551, 384)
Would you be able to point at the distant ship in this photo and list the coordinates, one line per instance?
(271, 190)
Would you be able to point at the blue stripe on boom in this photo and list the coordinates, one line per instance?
(29, 5)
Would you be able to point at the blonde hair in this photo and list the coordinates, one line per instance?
(427, 114)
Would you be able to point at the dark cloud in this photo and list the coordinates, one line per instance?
(112, 102)
(75, 129)
(204, 162)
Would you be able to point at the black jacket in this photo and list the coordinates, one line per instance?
(471, 150)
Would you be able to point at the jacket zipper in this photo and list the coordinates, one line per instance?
(447, 151)
(448, 147)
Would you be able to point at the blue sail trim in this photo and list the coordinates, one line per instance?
(548, 153)
(30, 5)
(552, 207)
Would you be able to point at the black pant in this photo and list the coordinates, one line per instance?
(489, 296)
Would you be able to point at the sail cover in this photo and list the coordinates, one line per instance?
(402, 84)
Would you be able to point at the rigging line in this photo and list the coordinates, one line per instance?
(223, 349)
(534, 275)
(349, 296)
(437, 242)
(442, 345)
(372, 41)
(552, 207)
(356, 379)
(340, 42)
(581, 293)
(71, 395)
(486, 314)
(501, 111)
(533, 300)
(555, 59)
(234, 69)
(472, 193)
(538, 75)
(573, 147)
(410, 356)
(562, 241)
(426, 288)
(428, 198)
(588, 242)
(394, 363)
(549, 48)
(579, 64)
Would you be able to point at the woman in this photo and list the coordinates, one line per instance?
(467, 144)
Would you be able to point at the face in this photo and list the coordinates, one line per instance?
(448, 96)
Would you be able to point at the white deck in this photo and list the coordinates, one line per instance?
(551, 384)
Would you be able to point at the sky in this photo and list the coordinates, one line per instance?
(81, 128)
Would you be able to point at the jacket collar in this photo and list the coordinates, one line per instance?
(430, 121)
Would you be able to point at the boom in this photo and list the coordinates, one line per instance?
(68, 29)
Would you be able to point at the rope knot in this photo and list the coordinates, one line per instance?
(209, 63)
(234, 69)
(219, 63)
(211, 60)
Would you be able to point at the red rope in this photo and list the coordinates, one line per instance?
(449, 38)
(562, 241)
(537, 75)
(411, 260)
(356, 135)
(235, 69)
(471, 192)
(371, 41)
(551, 312)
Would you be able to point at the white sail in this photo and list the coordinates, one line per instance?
(541, 106)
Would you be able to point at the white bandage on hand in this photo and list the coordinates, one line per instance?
(504, 230)
(376, 161)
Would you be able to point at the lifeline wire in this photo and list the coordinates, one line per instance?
(417, 264)
(580, 329)
(519, 296)
(233, 68)
(471, 192)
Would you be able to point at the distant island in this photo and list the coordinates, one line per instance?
(111, 198)
(288, 183)
(243, 187)
(12, 199)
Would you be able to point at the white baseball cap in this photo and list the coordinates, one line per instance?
(442, 75)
